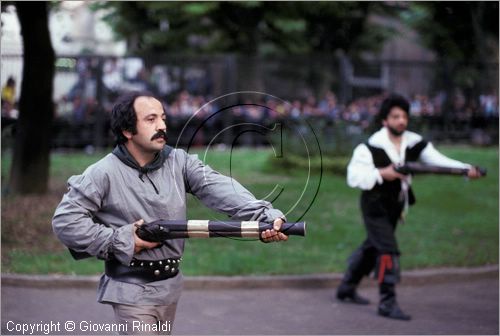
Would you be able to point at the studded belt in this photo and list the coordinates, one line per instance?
(142, 271)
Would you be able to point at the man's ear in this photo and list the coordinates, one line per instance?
(127, 134)
(384, 122)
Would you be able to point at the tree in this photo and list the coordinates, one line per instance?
(31, 160)
(246, 27)
(464, 36)
(249, 28)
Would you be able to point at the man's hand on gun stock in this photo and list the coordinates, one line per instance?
(139, 243)
(389, 174)
(274, 235)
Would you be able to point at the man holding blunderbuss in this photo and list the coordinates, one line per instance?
(386, 195)
(144, 180)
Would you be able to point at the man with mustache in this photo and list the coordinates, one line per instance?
(386, 195)
(143, 180)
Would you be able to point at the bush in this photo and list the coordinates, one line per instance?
(318, 144)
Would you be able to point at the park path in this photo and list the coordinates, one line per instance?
(458, 306)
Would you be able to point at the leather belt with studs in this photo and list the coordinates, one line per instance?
(142, 271)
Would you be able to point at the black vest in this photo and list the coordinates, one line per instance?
(392, 189)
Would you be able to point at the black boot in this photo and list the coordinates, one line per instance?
(388, 275)
(388, 306)
(360, 263)
(347, 293)
(393, 311)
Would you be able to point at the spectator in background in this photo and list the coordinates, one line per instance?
(9, 98)
(328, 106)
(309, 108)
(113, 75)
(186, 107)
(296, 109)
(489, 104)
(416, 106)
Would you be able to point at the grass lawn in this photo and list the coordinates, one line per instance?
(454, 223)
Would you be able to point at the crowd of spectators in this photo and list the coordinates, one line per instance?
(132, 74)
(79, 104)
(198, 117)
(198, 113)
(77, 111)
(360, 111)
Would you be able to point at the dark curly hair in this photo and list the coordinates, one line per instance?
(394, 100)
(123, 116)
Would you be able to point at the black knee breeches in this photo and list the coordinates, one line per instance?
(380, 249)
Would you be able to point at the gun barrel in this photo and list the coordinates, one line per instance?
(161, 230)
(419, 168)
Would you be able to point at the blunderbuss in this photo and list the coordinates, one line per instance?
(420, 168)
(161, 230)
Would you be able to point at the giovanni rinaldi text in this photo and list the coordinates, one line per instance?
(51, 327)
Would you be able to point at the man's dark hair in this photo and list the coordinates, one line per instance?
(123, 116)
(394, 100)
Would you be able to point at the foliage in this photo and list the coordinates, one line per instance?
(456, 30)
(464, 36)
(327, 149)
(247, 27)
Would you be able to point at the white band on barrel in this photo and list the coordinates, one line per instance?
(250, 229)
(198, 229)
(250, 226)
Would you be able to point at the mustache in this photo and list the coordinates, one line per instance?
(159, 134)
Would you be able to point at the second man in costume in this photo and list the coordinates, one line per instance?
(386, 195)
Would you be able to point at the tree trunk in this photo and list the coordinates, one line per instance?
(30, 165)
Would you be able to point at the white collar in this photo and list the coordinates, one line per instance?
(381, 140)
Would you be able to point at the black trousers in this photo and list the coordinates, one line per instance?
(379, 250)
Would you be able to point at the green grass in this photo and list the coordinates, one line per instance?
(454, 223)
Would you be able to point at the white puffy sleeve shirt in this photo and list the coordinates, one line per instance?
(362, 173)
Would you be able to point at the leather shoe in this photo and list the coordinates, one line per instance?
(351, 296)
(393, 312)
